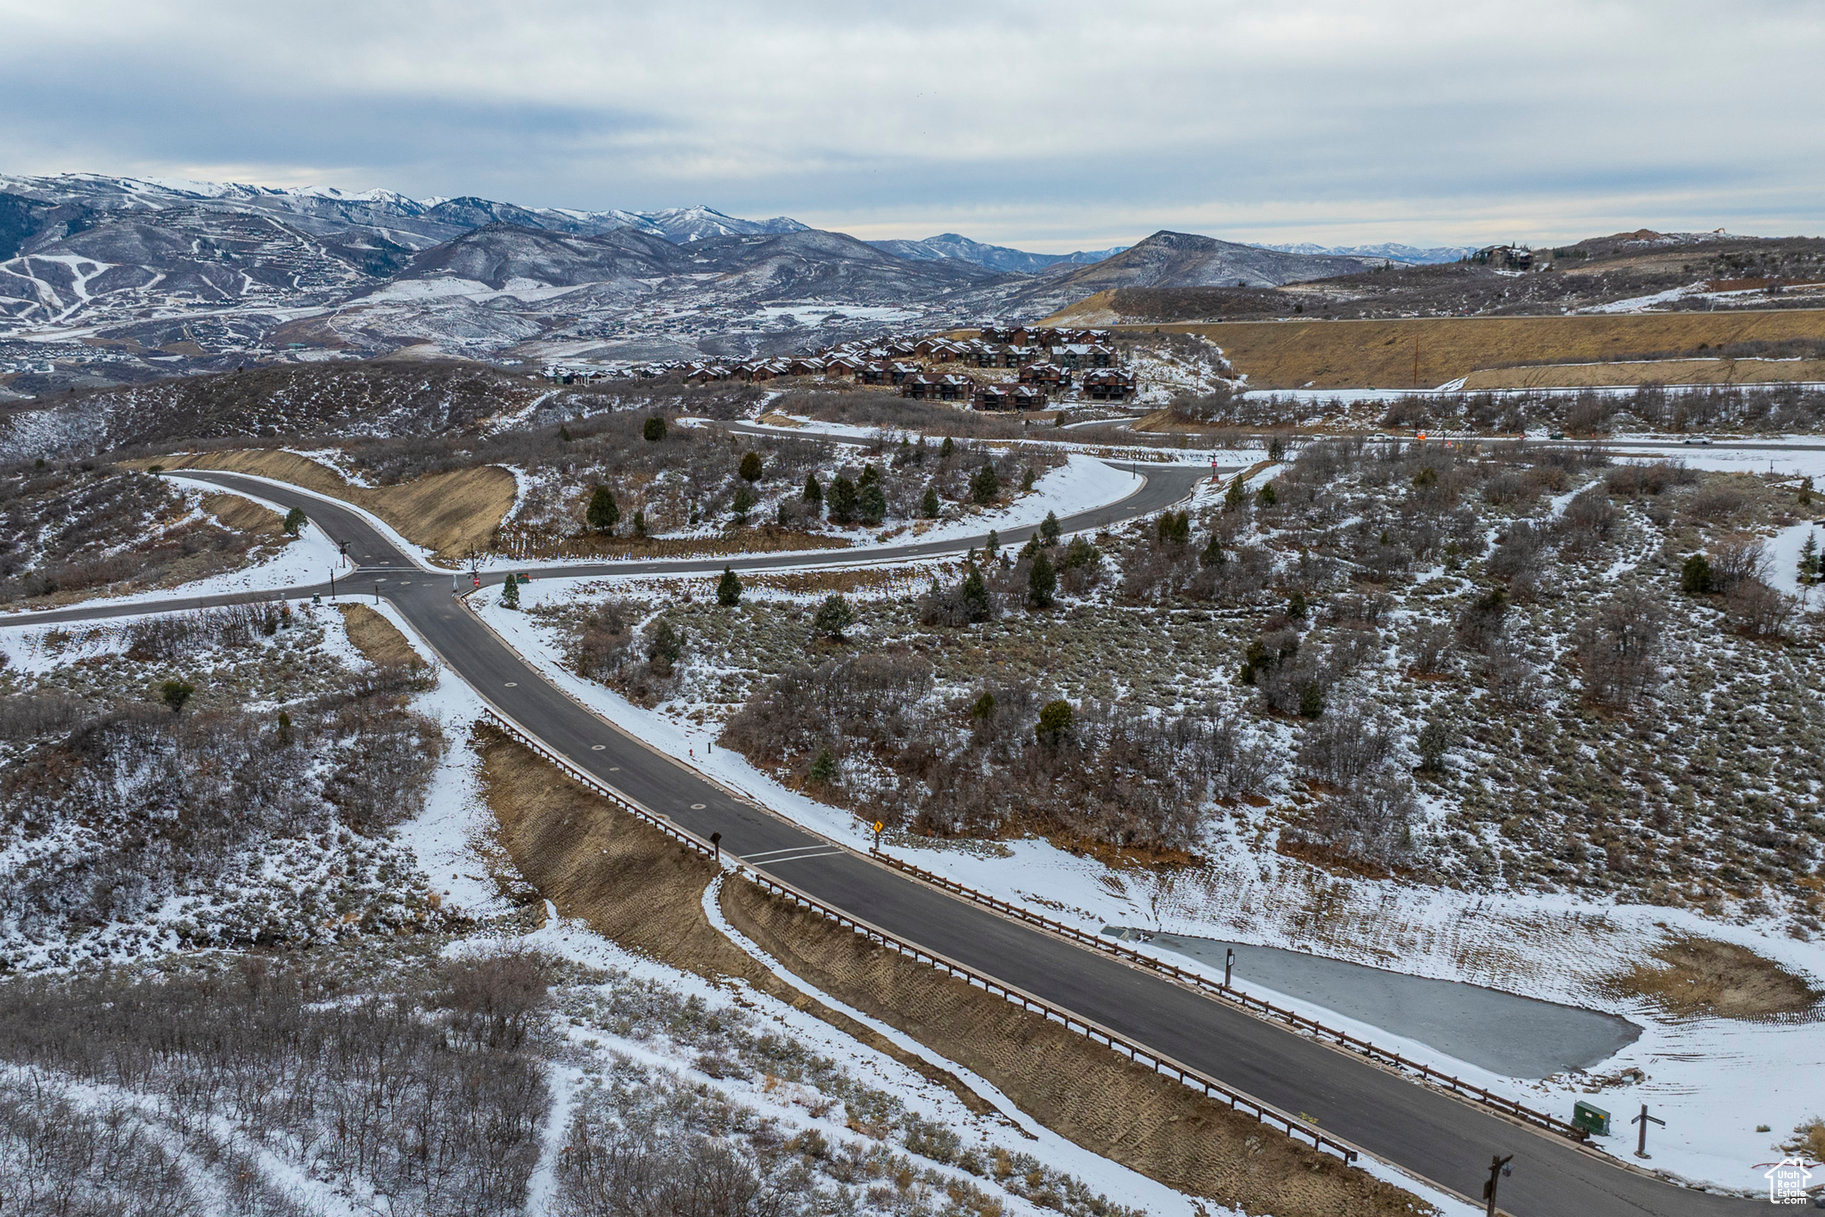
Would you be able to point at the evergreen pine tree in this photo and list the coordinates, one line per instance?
(510, 592)
(984, 485)
(750, 468)
(1055, 719)
(1028, 478)
(654, 429)
(975, 595)
(728, 588)
(843, 504)
(1080, 553)
(603, 512)
(1809, 560)
(834, 616)
(813, 492)
(945, 450)
(929, 506)
(1048, 527)
(871, 501)
(1042, 581)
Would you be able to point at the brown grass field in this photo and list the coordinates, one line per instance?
(378, 639)
(1649, 371)
(1381, 354)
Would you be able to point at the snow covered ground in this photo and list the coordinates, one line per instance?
(1714, 1081)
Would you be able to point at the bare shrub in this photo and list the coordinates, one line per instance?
(1481, 621)
(1589, 520)
(1619, 648)
(609, 1170)
(1647, 478)
(1371, 821)
(1343, 747)
(1518, 553)
(1759, 611)
(30, 715)
(1716, 503)
(1511, 680)
(1736, 559)
(1429, 648)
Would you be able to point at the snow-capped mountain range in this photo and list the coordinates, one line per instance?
(1392, 251)
(104, 279)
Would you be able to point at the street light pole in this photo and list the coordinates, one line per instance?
(1495, 1177)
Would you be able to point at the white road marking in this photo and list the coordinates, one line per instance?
(820, 853)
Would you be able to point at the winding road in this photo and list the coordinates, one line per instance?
(1432, 1135)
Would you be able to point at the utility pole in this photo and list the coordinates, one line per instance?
(1644, 1119)
(1496, 1172)
(1229, 963)
(332, 583)
(377, 593)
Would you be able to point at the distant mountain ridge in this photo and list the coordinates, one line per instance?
(437, 219)
(960, 248)
(1393, 251)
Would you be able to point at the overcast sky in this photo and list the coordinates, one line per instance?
(1049, 125)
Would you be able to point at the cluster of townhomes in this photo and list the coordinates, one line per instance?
(1046, 363)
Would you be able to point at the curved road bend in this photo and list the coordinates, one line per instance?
(1428, 1133)
(380, 563)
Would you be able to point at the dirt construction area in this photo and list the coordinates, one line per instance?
(1425, 353)
(634, 885)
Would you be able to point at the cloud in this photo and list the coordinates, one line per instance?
(1051, 125)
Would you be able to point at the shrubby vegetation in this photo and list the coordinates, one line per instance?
(77, 528)
(418, 1087)
(1481, 663)
(134, 816)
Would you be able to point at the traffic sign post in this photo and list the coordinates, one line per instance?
(878, 826)
(1644, 1119)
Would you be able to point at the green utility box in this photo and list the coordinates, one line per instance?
(1593, 1120)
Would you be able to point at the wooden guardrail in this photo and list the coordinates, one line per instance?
(1251, 1003)
(1263, 1112)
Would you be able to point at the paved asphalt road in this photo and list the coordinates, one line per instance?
(1435, 1136)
